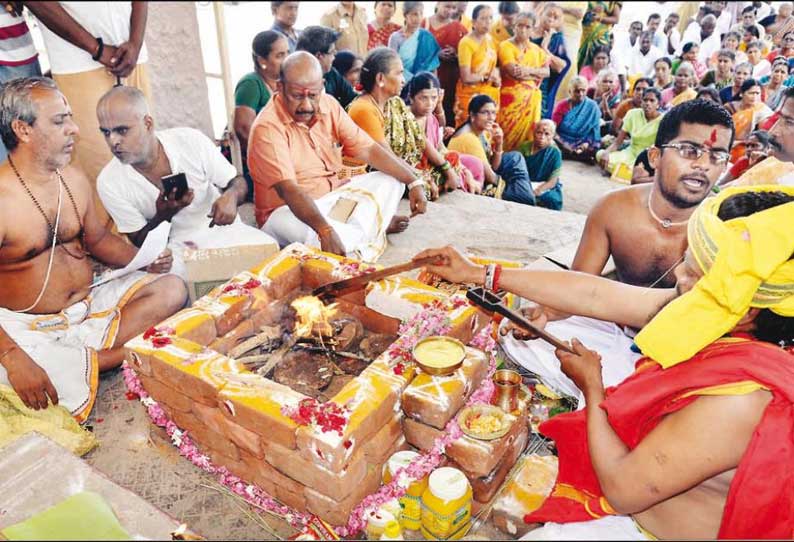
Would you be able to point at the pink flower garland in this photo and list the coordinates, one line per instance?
(431, 321)
(187, 448)
(426, 462)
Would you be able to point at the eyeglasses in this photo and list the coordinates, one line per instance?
(692, 152)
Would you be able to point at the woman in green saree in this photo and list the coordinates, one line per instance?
(596, 28)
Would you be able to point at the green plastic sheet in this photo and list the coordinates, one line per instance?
(83, 516)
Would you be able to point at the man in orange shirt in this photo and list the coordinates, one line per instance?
(295, 154)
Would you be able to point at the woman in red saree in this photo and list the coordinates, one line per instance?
(382, 27)
(448, 33)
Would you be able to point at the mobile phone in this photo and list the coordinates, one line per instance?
(176, 181)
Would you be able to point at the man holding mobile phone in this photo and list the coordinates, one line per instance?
(176, 175)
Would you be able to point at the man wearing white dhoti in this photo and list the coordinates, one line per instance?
(295, 156)
(131, 189)
(57, 331)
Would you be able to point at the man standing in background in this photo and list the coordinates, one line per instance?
(351, 22)
(91, 47)
(285, 15)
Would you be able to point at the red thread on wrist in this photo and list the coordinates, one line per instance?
(496, 274)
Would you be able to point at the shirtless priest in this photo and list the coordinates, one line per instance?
(56, 331)
(643, 228)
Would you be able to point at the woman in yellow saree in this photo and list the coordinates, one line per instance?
(524, 66)
(477, 62)
(596, 28)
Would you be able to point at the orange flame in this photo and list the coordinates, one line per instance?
(313, 317)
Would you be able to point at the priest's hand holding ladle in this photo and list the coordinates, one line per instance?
(454, 266)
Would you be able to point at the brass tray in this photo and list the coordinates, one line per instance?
(466, 414)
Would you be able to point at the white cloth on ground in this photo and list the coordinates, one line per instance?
(606, 338)
(65, 344)
(107, 20)
(364, 234)
(606, 528)
(131, 199)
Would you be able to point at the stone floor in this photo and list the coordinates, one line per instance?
(138, 456)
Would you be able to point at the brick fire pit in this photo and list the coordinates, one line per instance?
(247, 423)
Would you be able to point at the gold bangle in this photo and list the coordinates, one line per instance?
(4, 354)
(324, 229)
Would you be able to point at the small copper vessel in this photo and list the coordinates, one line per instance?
(507, 384)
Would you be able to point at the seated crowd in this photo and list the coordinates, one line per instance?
(691, 441)
(605, 115)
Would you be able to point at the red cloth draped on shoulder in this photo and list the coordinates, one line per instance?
(379, 37)
(760, 501)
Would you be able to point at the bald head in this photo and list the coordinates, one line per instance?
(129, 98)
(125, 122)
(301, 68)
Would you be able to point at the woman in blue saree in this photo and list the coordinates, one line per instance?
(417, 47)
(544, 163)
(547, 36)
(578, 123)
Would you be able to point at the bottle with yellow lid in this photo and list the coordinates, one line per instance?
(446, 505)
(410, 503)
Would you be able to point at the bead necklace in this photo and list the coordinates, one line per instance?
(53, 233)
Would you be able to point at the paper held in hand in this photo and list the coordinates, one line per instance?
(154, 245)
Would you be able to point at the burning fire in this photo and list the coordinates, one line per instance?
(313, 317)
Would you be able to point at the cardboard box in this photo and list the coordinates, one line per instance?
(207, 268)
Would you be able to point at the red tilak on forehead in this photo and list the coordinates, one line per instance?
(305, 90)
(712, 139)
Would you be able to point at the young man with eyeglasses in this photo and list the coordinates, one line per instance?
(321, 42)
(295, 156)
(643, 228)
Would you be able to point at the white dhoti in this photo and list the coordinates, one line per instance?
(606, 338)
(364, 234)
(606, 528)
(65, 345)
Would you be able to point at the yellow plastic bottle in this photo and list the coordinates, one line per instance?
(446, 505)
(411, 503)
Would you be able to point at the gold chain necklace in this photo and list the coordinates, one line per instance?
(53, 233)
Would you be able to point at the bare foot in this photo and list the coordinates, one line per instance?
(398, 224)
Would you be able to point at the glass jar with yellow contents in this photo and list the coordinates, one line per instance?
(410, 503)
(446, 505)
